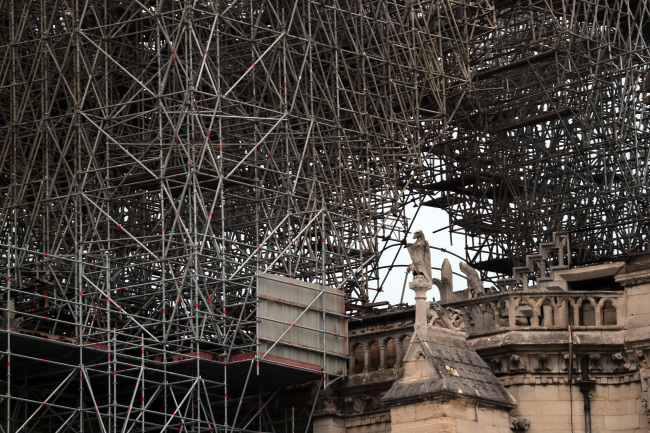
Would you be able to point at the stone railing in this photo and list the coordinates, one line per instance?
(553, 310)
(378, 352)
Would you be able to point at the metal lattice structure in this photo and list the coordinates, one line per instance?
(159, 156)
(552, 135)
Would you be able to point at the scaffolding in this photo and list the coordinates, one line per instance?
(176, 175)
(552, 135)
(161, 158)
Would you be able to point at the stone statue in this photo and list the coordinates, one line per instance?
(474, 283)
(620, 362)
(450, 318)
(420, 258)
(519, 424)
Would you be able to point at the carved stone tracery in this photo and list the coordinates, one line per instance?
(556, 363)
(517, 363)
(543, 363)
(594, 362)
(450, 318)
(621, 362)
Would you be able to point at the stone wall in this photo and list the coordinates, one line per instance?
(449, 416)
(588, 324)
(638, 320)
(375, 423)
(615, 408)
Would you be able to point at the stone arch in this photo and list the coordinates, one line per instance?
(489, 318)
(547, 312)
(401, 343)
(373, 365)
(563, 311)
(475, 317)
(587, 312)
(536, 310)
(522, 311)
(357, 361)
(501, 314)
(406, 341)
(573, 310)
(391, 352)
(608, 312)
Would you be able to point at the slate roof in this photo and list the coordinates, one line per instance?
(459, 371)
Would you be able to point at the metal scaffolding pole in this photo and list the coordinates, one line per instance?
(551, 136)
(160, 158)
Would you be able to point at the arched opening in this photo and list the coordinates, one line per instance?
(391, 353)
(502, 315)
(567, 311)
(374, 357)
(488, 317)
(523, 314)
(405, 345)
(476, 321)
(608, 313)
(587, 314)
(357, 354)
(547, 316)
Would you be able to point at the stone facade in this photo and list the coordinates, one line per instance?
(571, 345)
(454, 416)
(614, 408)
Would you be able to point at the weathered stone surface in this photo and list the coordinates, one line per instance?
(449, 367)
(540, 337)
(461, 415)
(636, 272)
(523, 336)
(329, 424)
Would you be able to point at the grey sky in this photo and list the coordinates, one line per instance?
(429, 220)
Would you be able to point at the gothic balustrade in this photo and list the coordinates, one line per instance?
(535, 310)
(378, 353)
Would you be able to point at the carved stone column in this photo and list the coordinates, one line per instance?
(382, 356)
(420, 286)
(534, 321)
(576, 314)
(512, 314)
(398, 353)
(352, 363)
(366, 358)
(547, 311)
(562, 314)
